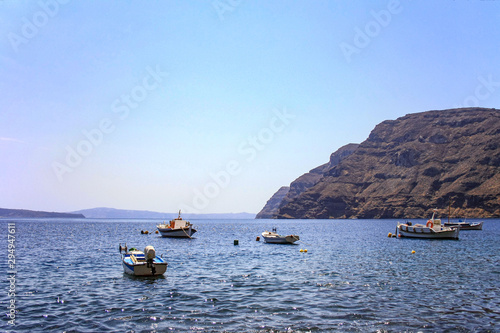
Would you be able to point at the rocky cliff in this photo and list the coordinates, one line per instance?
(270, 210)
(287, 193)
(411, 165)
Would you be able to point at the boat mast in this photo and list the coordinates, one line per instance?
(449, 211)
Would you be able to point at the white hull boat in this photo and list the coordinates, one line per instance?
(465, 225)
(274, 238)
(421, 231)
(432, 230)
(177, 227)
(141, 263)
(176, 232)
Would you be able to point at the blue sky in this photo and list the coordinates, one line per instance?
(211, 106)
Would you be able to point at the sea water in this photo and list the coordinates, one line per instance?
(353, 278)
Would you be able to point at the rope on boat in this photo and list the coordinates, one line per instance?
(302, 241)
(186, 233)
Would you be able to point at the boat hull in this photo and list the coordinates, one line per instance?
(428, 233)
(177, 233)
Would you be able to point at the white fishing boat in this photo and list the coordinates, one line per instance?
(141, 263)
(274, 238)
(462, 224)
(465, 225)
(433, 229)
(176, 228)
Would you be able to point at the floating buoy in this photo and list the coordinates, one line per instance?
(257, 239)
(146, 232)
(305, 250)
(156, 231)
(389, 234)
(413, 251)
(142, 232)
(236, 242)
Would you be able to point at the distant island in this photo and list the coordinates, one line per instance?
(112, 213)
(24, 213)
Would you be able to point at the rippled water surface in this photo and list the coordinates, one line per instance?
(352, 278)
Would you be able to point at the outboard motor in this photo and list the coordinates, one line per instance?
(150, 254)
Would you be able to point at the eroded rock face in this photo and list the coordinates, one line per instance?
(271, 208)
(287, 193)
(411, 165)
(308, 180)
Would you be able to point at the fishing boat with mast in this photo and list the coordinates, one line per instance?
(462, 225)
(177, 227)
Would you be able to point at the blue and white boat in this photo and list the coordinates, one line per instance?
(141, 263)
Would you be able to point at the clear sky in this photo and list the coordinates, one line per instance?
(211, 106)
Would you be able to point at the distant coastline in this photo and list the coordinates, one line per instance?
(112, 213)
(24, 213)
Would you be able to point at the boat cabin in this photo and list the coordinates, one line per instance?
(178, 223)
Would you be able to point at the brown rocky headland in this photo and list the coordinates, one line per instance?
(409, 166)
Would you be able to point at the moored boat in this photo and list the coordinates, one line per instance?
(465, 225)
(141, 263)
(176, 228)
(462, 225)
(433, 229)
(274, 238)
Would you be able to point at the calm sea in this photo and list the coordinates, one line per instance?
(353, 278)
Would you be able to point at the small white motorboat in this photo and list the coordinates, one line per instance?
(176, 228)
(432, 230)
(141, 263)
(274, 238)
